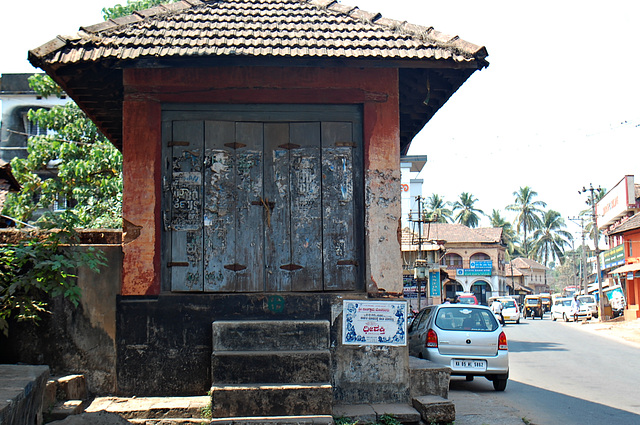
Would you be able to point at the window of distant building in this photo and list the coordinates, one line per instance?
(453, 261)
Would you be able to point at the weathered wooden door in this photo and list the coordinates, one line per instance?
(263, 199)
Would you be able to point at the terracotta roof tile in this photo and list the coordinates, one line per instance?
(311, 28)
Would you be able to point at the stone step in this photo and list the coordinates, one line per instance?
(428, 378)
(260, 400)
(153, 407)
(277, 420)
(270, 335)
(372, 413)
(435, 409)
(62, 409)
(246, 367)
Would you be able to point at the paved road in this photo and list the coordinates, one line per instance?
(562, 374)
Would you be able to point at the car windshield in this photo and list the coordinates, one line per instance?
(466, 300)
(587, 299)
(466, 319)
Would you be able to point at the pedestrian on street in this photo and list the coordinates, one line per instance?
(575, 308)
(496, 307)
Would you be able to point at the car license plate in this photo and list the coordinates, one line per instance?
(507, 317)
(459, 364)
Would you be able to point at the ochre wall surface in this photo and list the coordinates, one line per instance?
(147, 89)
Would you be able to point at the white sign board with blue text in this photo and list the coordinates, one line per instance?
(374, 322)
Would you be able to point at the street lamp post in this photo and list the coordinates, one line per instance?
(594, 217)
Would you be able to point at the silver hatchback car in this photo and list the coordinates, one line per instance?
(467, 338)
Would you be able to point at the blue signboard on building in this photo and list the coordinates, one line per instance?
(434, 283)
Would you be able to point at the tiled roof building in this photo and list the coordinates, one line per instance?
(252, 32)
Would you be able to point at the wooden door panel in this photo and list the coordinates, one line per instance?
(186, 206)
(276, 193)
(250, 212)
(219, 206)
(306, 211)
(339, 250)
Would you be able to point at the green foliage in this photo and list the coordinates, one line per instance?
(73, 163)
(39, 266)
(467, 214)
(119, 10)
(383, 420)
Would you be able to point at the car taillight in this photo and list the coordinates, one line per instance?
(502, 342)
(432, 339)
(516, 307)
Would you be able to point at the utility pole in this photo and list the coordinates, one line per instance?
(594, 217)
(583, 257)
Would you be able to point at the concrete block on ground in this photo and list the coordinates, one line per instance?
(246, 367)
(435, 409)
(21, 393)
(72, 387)
(404, 413)
(362, 413)
(271, 400)
(64, 408)
(276, 420)
(151, 407)
(428, 378)
(270, 335)
(49, 397)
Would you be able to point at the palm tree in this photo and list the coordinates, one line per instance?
(588, 213)
(508, 234)
(550, 240)
(527, 212)
(467, 214)
(437, 210)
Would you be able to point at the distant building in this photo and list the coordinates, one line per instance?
(17, 98)
(526, 274)
(473, 258)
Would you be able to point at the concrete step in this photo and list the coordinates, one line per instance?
(62, 409)
(277, 420)
(428, 378)
(246, 367)
(371, 413)
(435, 409)
(270, 335)
(259, 400)
(153, 407)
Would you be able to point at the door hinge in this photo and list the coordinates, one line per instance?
(176, 143)
(235, 267)
(235, 145)
(177, 264)
(348, 263)
(291, 267)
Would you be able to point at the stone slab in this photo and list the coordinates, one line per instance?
(363, 413)
(151, 407)
(266, 335)
(246, 367)
(271, 400)
(276, 420)
(428, 378)
(402, 412)
(435, 409)
(21, 393)
(71, 387)
(65, 408)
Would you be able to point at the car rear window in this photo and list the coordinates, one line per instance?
(531, 301)
(508, 303)
(587, 299)
(466, 300)
(466, 319)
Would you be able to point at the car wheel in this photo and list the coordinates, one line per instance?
(499, 384)
(564, 316)
(469, 378)
(553, 317)
(518, 321)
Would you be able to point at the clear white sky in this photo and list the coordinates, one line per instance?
(557, 109)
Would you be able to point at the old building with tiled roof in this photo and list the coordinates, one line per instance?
(261, 146)
(472, 258)
(528, 273)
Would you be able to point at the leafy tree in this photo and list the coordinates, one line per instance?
(40, 265)
(550, 240)
(467, 214)
(527, 212)
(509, 235)
(122, 10)
(74, 164)
(437, 209)
(587, 213)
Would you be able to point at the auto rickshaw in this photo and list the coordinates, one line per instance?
(546, 302)
(533, 307)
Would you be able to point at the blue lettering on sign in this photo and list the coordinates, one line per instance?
(484, 264)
